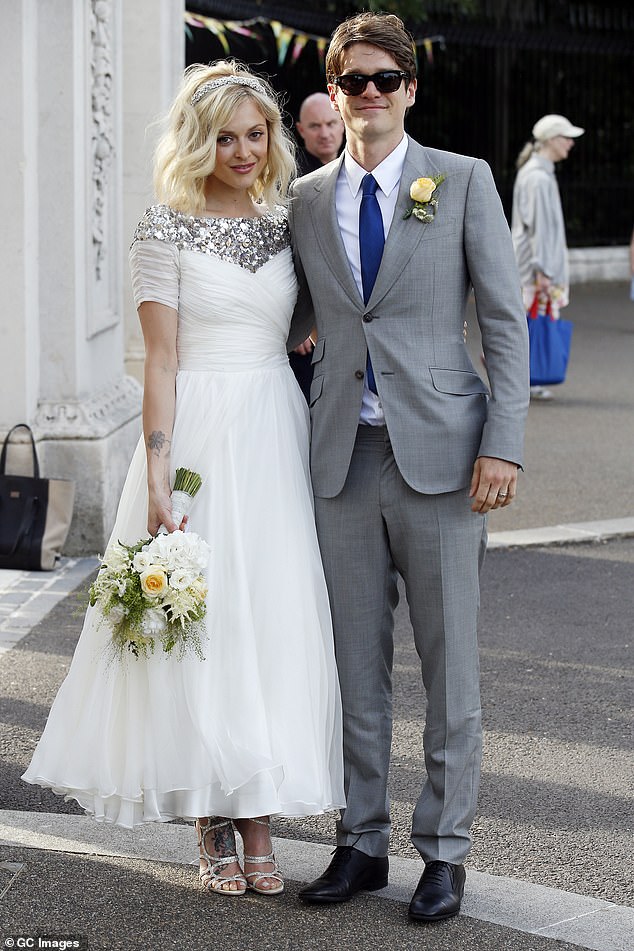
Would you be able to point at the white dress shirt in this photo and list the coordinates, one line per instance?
(348, 203)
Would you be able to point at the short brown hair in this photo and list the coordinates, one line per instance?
(384, 30)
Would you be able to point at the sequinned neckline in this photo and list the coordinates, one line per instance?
(266, 214)
(247, 242)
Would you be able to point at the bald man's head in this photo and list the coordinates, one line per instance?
(320, 127)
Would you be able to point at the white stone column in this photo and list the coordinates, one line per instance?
(80, 81)
(19, 240)
(153, 62)
(63, 245)
(88, 411)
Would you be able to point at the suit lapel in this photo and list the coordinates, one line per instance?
(404, 235)
(326, 229)
(403, 238)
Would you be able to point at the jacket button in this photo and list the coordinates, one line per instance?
(367, 318)
(359, 374)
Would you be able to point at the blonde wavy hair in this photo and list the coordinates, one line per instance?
(186, 152)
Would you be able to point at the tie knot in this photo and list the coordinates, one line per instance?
(369, 184)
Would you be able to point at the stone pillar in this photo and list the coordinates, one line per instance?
(88, 411)
(19, 240)
(63, 260)
(153, 63)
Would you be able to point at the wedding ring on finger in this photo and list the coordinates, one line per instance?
(503, 495)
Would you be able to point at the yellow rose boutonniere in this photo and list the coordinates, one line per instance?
(422, 194)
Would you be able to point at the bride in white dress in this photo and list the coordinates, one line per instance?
(254, 729)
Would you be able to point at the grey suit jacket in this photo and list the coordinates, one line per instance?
(439, 414)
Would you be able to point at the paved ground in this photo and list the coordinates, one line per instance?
(580, 446)
(552, 864)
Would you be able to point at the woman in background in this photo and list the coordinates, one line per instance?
(537, 223)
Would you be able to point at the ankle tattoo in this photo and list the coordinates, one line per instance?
(224, 842)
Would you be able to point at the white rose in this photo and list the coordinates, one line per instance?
(142, 560)
(181, 578)
(199, 588)
(154, 621)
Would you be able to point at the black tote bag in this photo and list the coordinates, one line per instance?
(35, 514)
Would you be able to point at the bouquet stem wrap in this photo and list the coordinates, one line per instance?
(181, 504)
(186, 485)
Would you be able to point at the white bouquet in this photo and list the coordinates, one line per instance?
(154, 590)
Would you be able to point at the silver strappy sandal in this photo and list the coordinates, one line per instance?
(209, 876)
(254, 878)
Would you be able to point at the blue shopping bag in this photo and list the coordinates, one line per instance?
(549, 342)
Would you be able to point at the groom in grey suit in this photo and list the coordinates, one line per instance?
(409, 449)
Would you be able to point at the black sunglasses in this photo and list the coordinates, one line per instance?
(388, 80)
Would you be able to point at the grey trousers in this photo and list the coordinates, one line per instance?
(375, 528)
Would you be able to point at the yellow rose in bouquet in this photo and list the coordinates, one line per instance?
(153, 581)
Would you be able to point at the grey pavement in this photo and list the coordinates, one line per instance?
(580, 447)
(552, 864)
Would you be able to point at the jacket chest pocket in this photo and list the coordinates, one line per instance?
(440, 229)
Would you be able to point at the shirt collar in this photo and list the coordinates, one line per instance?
(387, 173)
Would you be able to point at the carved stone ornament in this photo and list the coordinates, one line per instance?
(94, 418)
(103, 137)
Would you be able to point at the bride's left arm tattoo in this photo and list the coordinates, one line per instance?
(157, 440)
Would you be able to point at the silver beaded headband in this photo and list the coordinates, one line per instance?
(226, 81)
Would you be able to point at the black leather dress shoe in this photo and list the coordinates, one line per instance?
(439, 892)
(350, 871)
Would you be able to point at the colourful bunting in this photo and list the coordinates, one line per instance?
(284, 36)
(322, 46)
(283, 43)
(218, 29)
(300, 42)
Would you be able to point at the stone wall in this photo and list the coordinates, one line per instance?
(82, 79)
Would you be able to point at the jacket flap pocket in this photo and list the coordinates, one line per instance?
(318, 352)
(315, 389)
(457, 382)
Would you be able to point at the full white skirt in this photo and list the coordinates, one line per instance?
(255, 728)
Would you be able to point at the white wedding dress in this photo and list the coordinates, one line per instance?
(255, 728)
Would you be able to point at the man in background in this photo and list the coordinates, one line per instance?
(321, 129)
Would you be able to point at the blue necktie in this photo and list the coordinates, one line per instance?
(371, 241)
